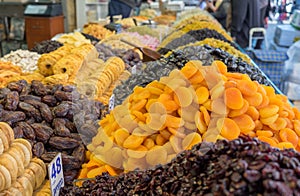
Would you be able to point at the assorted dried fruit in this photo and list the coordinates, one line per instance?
(46, 46)
(53, 119)
(243, 166)
(97, 30)
(23, 58)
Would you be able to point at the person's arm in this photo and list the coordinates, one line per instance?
(210, 5)
(239, 12)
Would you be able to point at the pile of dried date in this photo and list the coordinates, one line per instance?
(53, 118)
(243, 166)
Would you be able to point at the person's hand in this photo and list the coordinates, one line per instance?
(209, 4)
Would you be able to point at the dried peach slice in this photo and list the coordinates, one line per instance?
(190, 140)
(219, 107)
(183, 96)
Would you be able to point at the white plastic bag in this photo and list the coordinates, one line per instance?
(292, 65)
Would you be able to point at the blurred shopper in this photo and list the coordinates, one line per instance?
(213, 5)
(220, 13)
(263, 19)
(245, 15)
(121, 7)
(202, 4)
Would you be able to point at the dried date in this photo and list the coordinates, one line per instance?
(4, 92)
(59, 127)
(79, 153)
(28, 131)
(12, 100)
(38, 88)
(68, 88)
(70, 162)
(70, 175)
(63, 96)
(61, 110)
(38, 149)
(18, 132)
(31, 111)
(46, 112)
(48, 156)
(17, 86)
(12, 117)
(71, 126)
(63, 143)
(29, 97)
(88, 130)
(50, 100)
(42, 132)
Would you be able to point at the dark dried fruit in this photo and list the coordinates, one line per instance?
(49, 100)
(59, 127)
(42, 132)
(28, 131)
(12, 100)
(18, 132)
(38, 149)
(63, 143)
(30, 111)
(70, 162)
(79, 153)
(12, 117)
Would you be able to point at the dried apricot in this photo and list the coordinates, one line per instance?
(243, 110)
(228, 128)
(160, 140)
(190, 140)
(258, 125)
(189, 70)
(200, 122)
(269, 120)
(279, 124)
(288, 135)
(110, 170)
(267, 140)
(176, 143)
(171, 121)
(247, 87)
(196, 78)
(96, 171)
(202, 95)
(206, 115)
(219, 107)
(138, 105)
(268, 111)
(222, 68)
(265, 133)
(133, 141)
(184, 96)
(137, 153)
(176, 132)
(233, 98)
(148, 143)
(296, 124)
(245, 123)
(285, 145)
(120, 136)
(253, 112)
(255, 99)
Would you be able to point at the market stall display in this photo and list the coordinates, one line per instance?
(91, 98)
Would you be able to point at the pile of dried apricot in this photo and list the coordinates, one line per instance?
(195, 104)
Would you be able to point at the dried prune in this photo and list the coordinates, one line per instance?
(12, 100)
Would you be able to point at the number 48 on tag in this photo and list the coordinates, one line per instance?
(56, 176)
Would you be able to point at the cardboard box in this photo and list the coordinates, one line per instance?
(286, 35)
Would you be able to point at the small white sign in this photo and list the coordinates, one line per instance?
(56, 174)
(133, 69)
(111, 103)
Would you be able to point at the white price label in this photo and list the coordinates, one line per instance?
(111, 103)
(56, 175)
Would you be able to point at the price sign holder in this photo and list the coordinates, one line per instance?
(56, 175)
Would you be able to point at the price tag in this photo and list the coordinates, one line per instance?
(56, 176)
(111, 103)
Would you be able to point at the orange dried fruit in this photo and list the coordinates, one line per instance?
(217, 91)
(175, 132)
(190, 140)
(268, 111)
(265, 101)
(228, 128)
(245, 123)
(139, 115)
(269, 120)
(230, 84)
(279, 124)
(269, 90)
(202, 95)
(96, 171)
(171, 121)
(233, 98)
(154, 90)
(254, 100)
(218, 106)
(247, 87)
(208, 104)
(156, 84)
(137, 153)
(138, 105)
(285, 145)
(184, 96)
(258, 125)
(110, 170)
(196, 78)
(296, 124)
(200, 122)
(288, 135)
(160, 140)
(206, 115)
(268, 140)
(168, 102)
(148, 143)
(265, 133)
(253, 112)
(243, 110)
(133, 141)
(222, 68)
(120, 136)
(189, 70)
(153, 121)
(157, 155)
